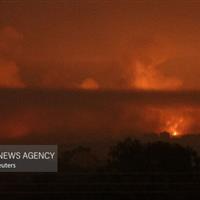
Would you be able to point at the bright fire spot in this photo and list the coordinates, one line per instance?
(176, 122)
(175, 133)
(175, 126)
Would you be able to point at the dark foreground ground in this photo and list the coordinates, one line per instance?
(92, 186)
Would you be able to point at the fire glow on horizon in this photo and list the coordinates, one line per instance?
(91, 46)
(177, 121)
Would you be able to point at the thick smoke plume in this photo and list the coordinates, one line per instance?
(145, 69)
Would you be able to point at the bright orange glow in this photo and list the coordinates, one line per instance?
(176, 122)
(175, 126)
(147, 77)
(89, 84)
(175, 133)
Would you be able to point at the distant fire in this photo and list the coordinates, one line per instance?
(148, 77)
(175, 127)
(97, 113)
(175, 133)
(176, 122)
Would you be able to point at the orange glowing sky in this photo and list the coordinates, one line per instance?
(113, 44)
(102, 45)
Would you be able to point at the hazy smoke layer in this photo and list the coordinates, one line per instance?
(60, 114)
(149, 45)
(10, 41)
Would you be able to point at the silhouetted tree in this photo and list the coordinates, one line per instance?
(131, 155)
(127, 156)
(164, 156)
(78, 159)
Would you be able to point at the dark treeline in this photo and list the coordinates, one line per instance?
(131, 155)
(131, 170)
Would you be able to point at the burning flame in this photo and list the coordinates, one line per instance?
(175, 133)
(176, 122)
(177, 126)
